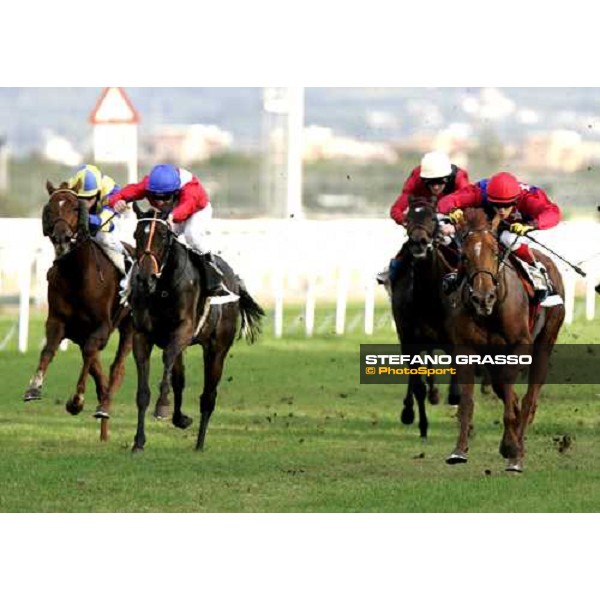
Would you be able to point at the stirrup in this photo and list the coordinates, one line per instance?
(383, 277)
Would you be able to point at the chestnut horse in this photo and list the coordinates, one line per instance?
(491, 309)
(172, 311)
(417, 304)
(83, 303)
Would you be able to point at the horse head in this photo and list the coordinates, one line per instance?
(64, 217)
(153, 240)
(421, 225)
(480, 256)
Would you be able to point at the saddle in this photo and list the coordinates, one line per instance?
(534, 307)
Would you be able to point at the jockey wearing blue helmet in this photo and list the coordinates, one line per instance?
(163, 180)
(179, 193)
(96, 189)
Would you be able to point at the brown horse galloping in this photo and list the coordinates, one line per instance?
(83, 304)
(171, 310)
(491, 309)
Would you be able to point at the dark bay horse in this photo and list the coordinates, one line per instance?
(417, 304)
(491, 309)
(83, 303)
(171, 310)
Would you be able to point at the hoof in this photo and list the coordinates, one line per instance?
(514, 467)
(101, 413)
(74, 408)
(136, 449)
(454, 400)
(32, 394)
(408, 416)
(457, 458)
(162, 412)
(183, 422)
(486, 389)
(434, 397)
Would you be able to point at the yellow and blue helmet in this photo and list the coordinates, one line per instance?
(90, 179)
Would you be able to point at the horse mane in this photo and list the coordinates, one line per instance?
(475, 218)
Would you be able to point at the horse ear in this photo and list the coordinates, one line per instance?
(51, 189)
(77, 187)
(137, 210)
(411, 201)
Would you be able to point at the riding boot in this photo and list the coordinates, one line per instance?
(540, 280)
(451, 282)
(215, 285)
(389, 276)
(125, 283)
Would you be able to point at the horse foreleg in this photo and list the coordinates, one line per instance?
(102, 393)
(117, 368)
(178, 382)
(465, 416)
(170, 355)
(453, 392)
(214, 361)
(510, 446)
(142, 350)
(55, 333)
(421, 395)
(407, 416)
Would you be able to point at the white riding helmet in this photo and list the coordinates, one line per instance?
(436, 165)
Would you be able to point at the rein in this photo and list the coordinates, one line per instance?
(147, 251)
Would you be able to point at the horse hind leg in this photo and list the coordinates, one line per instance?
(55, 333)
(214, 361)
(178, 383)
(117, 371)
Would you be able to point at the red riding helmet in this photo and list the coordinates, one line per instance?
(503, 188)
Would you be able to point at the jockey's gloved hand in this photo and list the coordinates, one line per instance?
(521, 228)
(170, 221)
(456, 216)
(120, 206)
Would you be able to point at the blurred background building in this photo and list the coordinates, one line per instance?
(359, 144)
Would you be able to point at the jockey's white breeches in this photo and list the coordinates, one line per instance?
(512, 240)
(111, 241)
(195, 230)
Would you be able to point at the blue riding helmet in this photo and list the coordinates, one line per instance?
(164, 179)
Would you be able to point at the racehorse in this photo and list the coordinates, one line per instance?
(172, 311)
(83, 304)
(492, 310)
(417, 304)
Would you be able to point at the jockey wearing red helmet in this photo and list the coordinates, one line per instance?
(523, 207)
(179, 193)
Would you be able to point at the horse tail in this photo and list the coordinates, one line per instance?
(251, 313)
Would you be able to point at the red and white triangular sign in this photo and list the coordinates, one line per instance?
(114, 106)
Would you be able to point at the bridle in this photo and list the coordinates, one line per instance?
(148, 253)
(500, 262)
(412, 228)
(74, 234)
